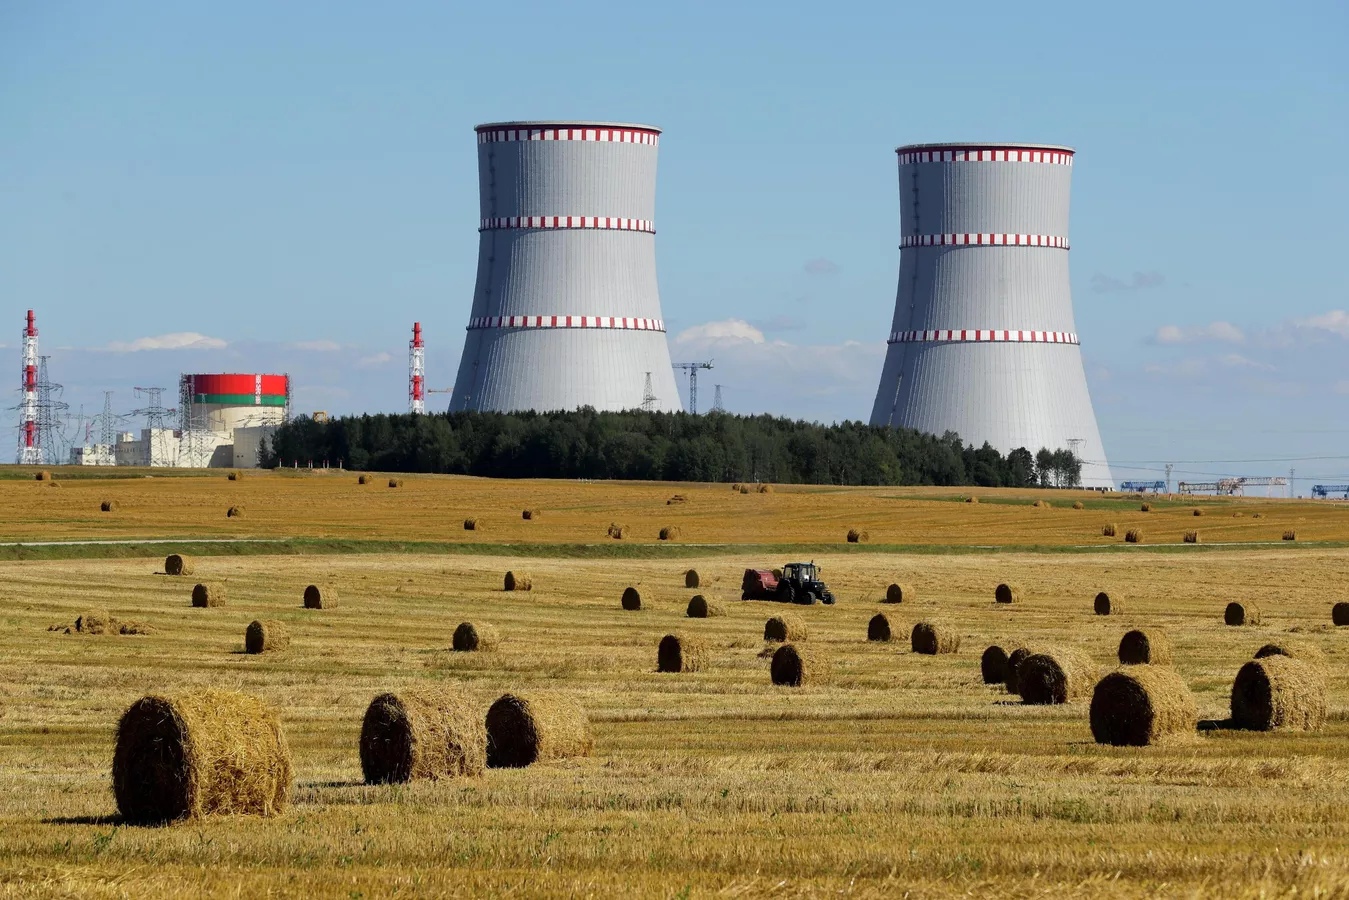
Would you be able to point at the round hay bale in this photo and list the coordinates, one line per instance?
(1042, 504)
(1146, 507)
(1308, 653)
(1014, 661)
(616, 531)
(1055, 676)
(1133, 536)
(530, 728)
(1107, 605)
(857, 537)
(1339, 613)
(681, 652)
(993, 665)
(670, 532)
(1279, 692)
(1145, 646)
(266, 634)
(95, 621)
(1142, 705)
(1290, 535)
(1108, 530)
(1078, 504)
(744, 489)
(1241, 614)
(932, 637)
(1190, 537)
(787, 627)
(108, 506)
(518, 581)
(476, 637)
(363, 479)
(1198, 512)
(529, 515)
(971, 499)
(702, 608)
(199, 753)
(316, 597)
(878, 629)
(692, 579)
(1007, 593)
(765, 488)
(177, 564)
(44, 475)
(473, 524)
(236, 476)
(395, 482)
(632, 598)
(898, 593)
(794, 665)
(425, 732)
(234, 512)
(207, 595)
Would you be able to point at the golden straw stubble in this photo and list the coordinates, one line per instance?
(200, 753)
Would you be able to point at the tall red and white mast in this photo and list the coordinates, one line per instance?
(417, 371)
(30, 451)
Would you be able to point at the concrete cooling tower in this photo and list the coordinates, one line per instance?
(566, 312)
(983, 341)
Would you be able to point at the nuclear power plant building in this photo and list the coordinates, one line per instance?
(983, 340)
(566, 312)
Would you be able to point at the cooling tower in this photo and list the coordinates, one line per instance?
(983, 341)
(566, 312)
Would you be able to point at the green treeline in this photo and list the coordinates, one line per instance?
(638, 445)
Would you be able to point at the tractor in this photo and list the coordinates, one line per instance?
(799, 583)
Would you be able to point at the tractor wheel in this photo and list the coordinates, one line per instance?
(828, 598)
(744, 595)
(786, 594)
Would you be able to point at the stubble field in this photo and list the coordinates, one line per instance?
(903, 773)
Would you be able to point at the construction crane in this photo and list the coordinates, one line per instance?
(692, 369)
(1325, 490)
(1231, 486)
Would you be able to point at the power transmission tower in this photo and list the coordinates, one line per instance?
(692, 369)
(107, 424)
(1291, 493)
(50, 411)
(716, 402)
(648, 396)
(1169, 467)
(155, 416)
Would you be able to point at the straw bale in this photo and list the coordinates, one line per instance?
(692, 578)
(1108, 530)
(786, 627)
(472, 637)
(206, 595)
(395, 482)
(1246, 613)
(236, 476)
(1290, 535)
(993, 665)
(1055, 676)
(898, 593)
(320, 597)
(1014, 660)
(234, 512)
(878, 629)
(1339, 613)
(680, 652)
(200, 753)
(1190, 537)
(1078, 504)
(1279, 692)
(858, 537)
(744, 489)
(1107, 604)
(797, 664)
(765, 489)
(473, 524)
(1308, 653)
(44, 475)
(670, 532)
(518, 581)
(430, 731)
(1198, 512)
(1146, 507)
(523, 729)
(702, 608)
(1145, 646)
(934, 637)
(1142, 705)
(1007, 593)
(529, 515)
(266, 634)
(1042, 504)
(177, 564)
(632, 598)
(971, 499)
(1133, 536)
(617, 531)
(363, 479)
(108, 506)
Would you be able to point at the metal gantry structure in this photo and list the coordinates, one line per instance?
(1323, 491)
(1234, 487)
(1155, 487)
(692, 368)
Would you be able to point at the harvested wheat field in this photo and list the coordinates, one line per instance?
(900, 772)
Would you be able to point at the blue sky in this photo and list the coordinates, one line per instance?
(205, 187)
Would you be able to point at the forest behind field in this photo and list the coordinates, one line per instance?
(653, 446)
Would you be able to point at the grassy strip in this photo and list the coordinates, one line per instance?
(612, 550)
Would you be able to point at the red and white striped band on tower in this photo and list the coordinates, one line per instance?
(629, 324)
(984, 240)
(604, 223)
(972, 334)
(986, 154)
(571, 133)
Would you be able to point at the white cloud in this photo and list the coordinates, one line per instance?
(178, 340)
(319, 346)
(727, 331)
(1219, 332)
(374, 360)
(1336, 321)
(1237, 361)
